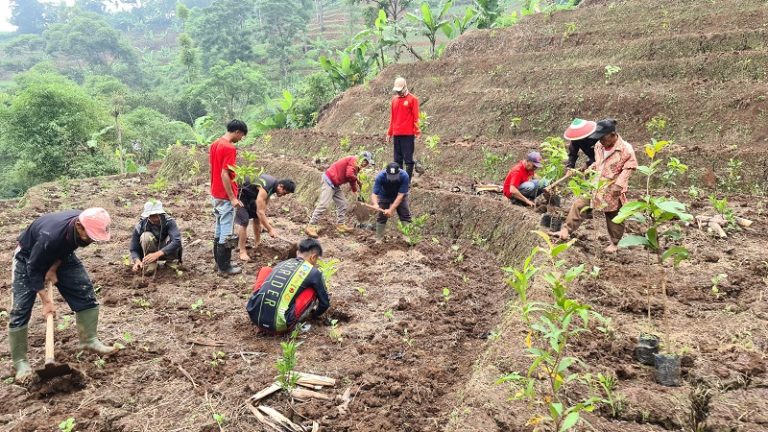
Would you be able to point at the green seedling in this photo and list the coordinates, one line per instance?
(100, 363)
(675, 169)
(446, 295)
(570, 29)
(328, 267)
(423, 121)
(611, 71)
(219, 419)
(431, 142)
(159, 186)
(334, 333)
(198, 305)
(515, 122)
(693, 192)
(656, 126)
(128, 337)
(412, 231)
(345, 143)
(595, 273)
(407, 338)
(127, 260)
(733, 175)
(721, 206)
(217, 358)
(65, 323)
(555, 153)
(389, 314)
(716, 279)
(615, 402)
(361, 291)
(67, 425)
(286, 379)
(142, 302)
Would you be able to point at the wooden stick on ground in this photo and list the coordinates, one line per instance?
(274, 387)
(304, 394)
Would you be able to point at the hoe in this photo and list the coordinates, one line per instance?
(51, 369)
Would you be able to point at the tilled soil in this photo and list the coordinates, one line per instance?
(404, 354)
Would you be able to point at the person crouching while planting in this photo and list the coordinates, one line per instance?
(156, 237)
(390, 195)
(521, 186)
(255, 198)
(289, 293)
(46, 254)
(615, 162)
(342, 171)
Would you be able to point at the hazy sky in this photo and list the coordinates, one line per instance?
(5, 13)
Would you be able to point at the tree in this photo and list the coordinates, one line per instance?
(224, 31)
(148, 132)
(48, 126)
(29, 16)
(283, 23)
(230, 89)
(431, 23)
(188, 56)
(487, 12)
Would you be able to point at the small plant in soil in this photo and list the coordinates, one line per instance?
(423, 122)
(199, 307)
(286, 379)
(128, 337)
(247, 169)
(595, 272)
(366, 179)
(217, 358)
(407, 339)
(159, 186)
(345, 143)
(328, 267)
(389, 315)
(551, 325)
(334, 333)
(142, 302)
(446, 295)
(361, 291)
(610, 71)
(66, 320)
(693, 192)
(732, 179)
(515, 122)
(657, 126)
(723, 209)
(716, 279)
(219, 419)
(674, 170)
(570, 29)
(701, 398)
(100, 363)
(431, 143)
(607, 384)
(412, 231)
(67, 425)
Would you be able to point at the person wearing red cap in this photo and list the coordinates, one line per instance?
(46, 253)
(520, 186)
(579, 139)
(615, 161)
(404, 125)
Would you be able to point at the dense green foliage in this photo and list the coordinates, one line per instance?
(105, 87)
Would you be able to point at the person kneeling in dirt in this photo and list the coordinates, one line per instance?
(289, 293)
(390, 194)
(520, 186)
(46, 253)
(342, 171)
(615, 161)
(155, 238)
(255, 198)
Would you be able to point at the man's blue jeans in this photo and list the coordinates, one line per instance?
(74, 285)
(533, 188)
(225, 219)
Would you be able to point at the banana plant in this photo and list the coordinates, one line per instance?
(432, 23)
(462, 24)
(352, 66)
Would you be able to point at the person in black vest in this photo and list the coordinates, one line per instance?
(255, 198)
(289, 293)
(156, 237)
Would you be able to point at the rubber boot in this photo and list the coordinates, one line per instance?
(225, 262)
(17, 338)
(87, 325)
(380, 227)
(216, 253)
(409, 170)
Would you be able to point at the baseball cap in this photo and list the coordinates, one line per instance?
(579, 129)
(604, 127)
(393, 171)
(96, 222)
(400, 84)
(535, 158)
(152, 207)
(366, 155)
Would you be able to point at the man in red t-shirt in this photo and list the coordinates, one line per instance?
(404, 125)
(222, 157)
(520, 186)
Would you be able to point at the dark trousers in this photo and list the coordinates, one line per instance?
(576, 216)
(403, 154)
(403, 211)
(74, 285)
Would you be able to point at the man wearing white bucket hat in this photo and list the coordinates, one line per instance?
(155, 237)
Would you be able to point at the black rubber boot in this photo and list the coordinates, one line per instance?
(409, 170)
(225, 262)
(216, 252)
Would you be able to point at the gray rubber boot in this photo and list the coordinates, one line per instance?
(380, 228)
(87, 325)
(17, 339)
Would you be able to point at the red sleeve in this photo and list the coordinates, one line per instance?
(391, 116)
(351, 174)
(415, 108)
(264, 273)
(507, 183)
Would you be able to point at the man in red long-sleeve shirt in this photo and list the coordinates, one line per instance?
(404, 125)
(340, 172)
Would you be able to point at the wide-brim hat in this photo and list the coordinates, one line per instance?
(579, 129)
(152, 208)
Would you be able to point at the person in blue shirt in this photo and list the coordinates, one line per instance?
(390, 195)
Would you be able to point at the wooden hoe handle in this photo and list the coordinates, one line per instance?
(49, 331)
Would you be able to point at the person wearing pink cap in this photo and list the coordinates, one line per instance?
(579, 137)
(46, 253)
